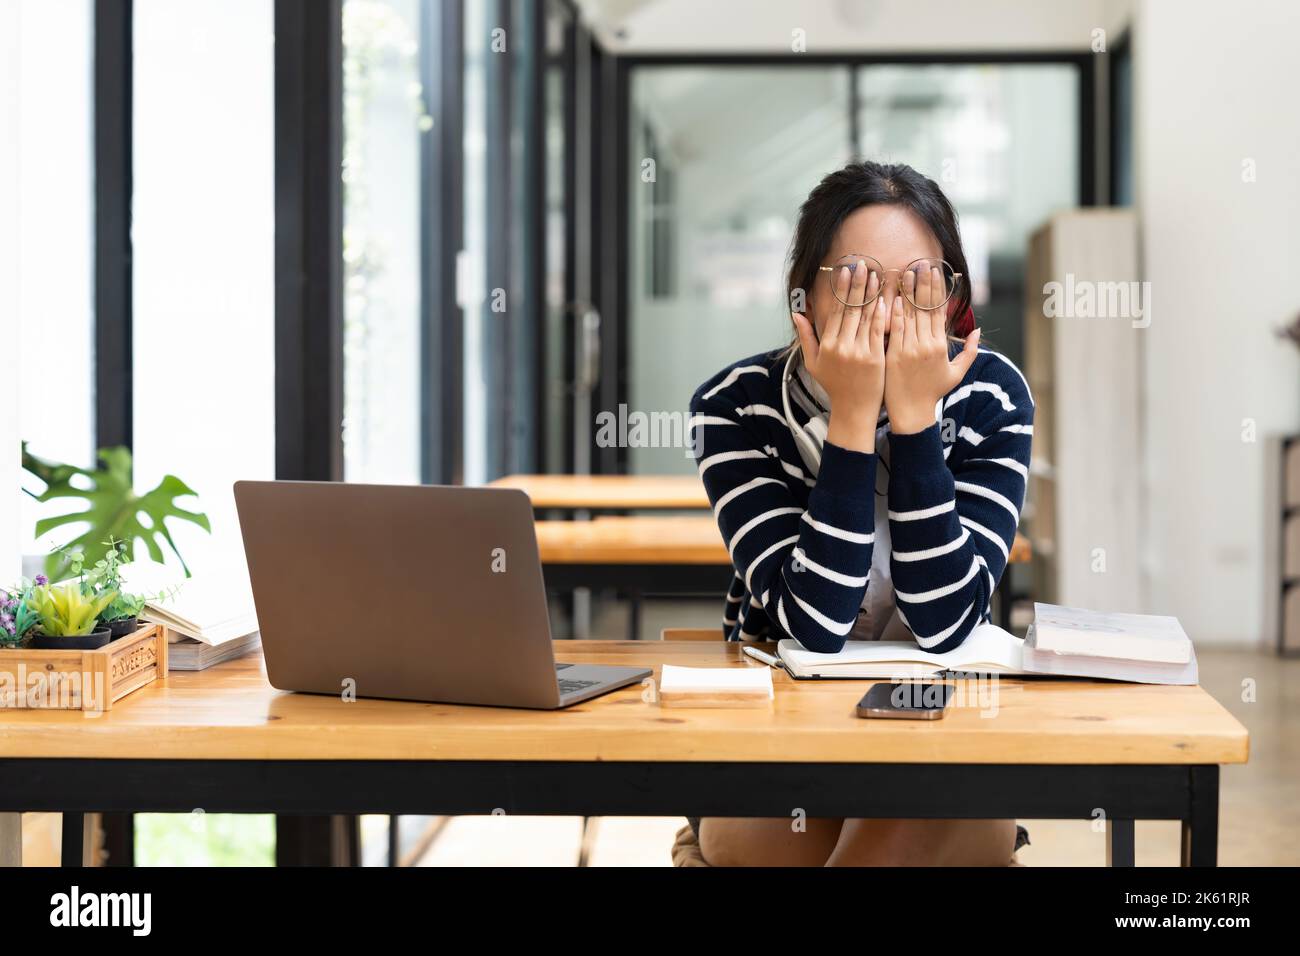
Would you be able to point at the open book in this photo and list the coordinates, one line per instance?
(1135, 637)
(987, 650)
(1138, 647)
(211, 610)
(1128, 647)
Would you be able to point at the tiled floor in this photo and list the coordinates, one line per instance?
(1259, 804)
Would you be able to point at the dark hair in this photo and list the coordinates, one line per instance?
(869, 184)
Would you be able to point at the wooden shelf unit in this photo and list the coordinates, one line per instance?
(1085, 374)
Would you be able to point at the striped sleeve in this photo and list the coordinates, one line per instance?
(806, 569)
(952, 527)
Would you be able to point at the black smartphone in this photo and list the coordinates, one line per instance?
(919, 701)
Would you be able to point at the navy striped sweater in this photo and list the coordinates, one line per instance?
(955, 492)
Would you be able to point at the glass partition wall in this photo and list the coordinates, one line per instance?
(717, 184)
(1002, 140)
(722, 156)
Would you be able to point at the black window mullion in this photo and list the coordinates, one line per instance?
(1088, 80)
(855, 109)
(308, 239)
(308, 290)
(113, 177)
(114, 106)
(569, 325)
(441, 210)
(495, 326)
(614, 385)
(534, 188)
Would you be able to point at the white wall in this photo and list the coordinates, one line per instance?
(754, 26)
(9, 544)
(1213, 91)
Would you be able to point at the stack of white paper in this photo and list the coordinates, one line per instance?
(715, 686)
(187, 654)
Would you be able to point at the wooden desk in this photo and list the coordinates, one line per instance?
(637, 556)
(651, 555)
(654, 541)
(633, 540)
(635, 493)
(225, 741)
(610, 492)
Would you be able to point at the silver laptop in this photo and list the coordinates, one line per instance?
(425, 593)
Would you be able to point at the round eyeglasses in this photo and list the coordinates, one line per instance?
(925, 283)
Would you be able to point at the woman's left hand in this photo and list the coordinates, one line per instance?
(918, 373)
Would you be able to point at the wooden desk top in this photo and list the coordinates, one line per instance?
(634, 540)
(652, 540)
(230, 712)
(610, 492)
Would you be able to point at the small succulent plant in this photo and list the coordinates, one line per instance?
(64, 610)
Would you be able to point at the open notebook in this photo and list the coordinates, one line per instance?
(987, 650)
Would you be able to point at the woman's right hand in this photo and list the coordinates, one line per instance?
(849, 359)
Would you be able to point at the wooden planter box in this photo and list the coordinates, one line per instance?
(35, 678)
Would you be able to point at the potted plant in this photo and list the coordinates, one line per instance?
(17, 617)
(122, 616)
(37, 617)
(68, 618)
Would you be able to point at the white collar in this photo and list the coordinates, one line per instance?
(810, 384)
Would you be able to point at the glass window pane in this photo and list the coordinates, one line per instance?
(558, 279)
(203, 231)
(203, 228)
(472, 264)
(54, 149)
(501, 276)
(525, 214)
(383, 120)
(712, 219)
(1002, 140)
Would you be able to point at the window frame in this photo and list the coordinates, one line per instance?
(614, 387)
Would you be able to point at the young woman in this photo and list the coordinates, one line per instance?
(868, 479)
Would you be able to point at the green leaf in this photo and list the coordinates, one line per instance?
(113, 510)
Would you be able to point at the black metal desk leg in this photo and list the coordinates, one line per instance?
(1201, 828)
(634, 616)
(1120, 843)
(317, 840)
(119, 838)
(74, 834)
(1003, 595)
